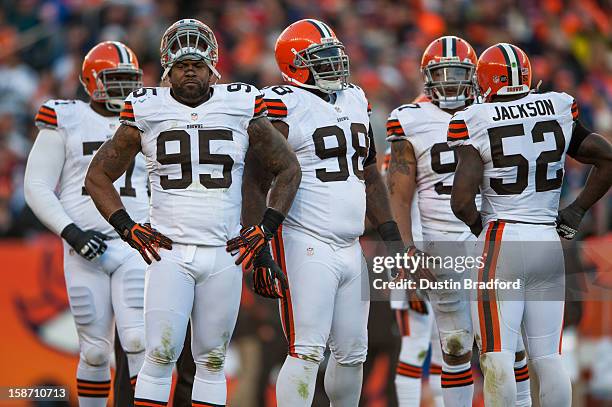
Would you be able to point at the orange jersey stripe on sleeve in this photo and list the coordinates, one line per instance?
(457, 130)
(276, 108)
(47, 116)
(394, 128)
(575, 110)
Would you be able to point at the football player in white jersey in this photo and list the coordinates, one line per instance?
(104, 277)
(326, 122)
(512, 148)
(421, 160)
(194, 135)
(416, 324)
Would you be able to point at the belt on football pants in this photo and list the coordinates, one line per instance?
(527, 223)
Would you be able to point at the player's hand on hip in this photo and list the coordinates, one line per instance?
(147, 241)
(568, 221)
(268, 279)
(141, 236)
(87, 243)
(248, 244)
(420, 272)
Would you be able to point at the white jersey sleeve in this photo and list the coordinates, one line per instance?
(42, 175)
(81, 131)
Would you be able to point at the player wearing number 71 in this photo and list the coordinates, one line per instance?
(104, 278)
(194, 135)
(512, 148)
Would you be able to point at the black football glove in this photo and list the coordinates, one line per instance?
(268, 279)
(87, 243)
(568, 220)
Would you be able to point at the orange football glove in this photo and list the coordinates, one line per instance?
(141, 236)
(247, 244)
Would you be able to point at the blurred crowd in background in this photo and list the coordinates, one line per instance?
(42, 43)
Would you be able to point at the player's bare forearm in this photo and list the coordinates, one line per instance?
(277, 158)
(108, 164)
(255, 186)
(401, 182)
(595, 149)
(378, 209)
(468, 176)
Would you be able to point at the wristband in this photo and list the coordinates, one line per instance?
(271, 221)
(71, 233)
(121, 221)
(389, 231)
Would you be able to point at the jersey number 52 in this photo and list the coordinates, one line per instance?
(501, 160)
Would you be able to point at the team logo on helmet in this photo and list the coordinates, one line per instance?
(503, 69)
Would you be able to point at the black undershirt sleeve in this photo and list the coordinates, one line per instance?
(579, 133)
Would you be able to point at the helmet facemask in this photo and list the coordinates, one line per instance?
(189, 40)
(328, 64)
(449, 84)
(115, 84)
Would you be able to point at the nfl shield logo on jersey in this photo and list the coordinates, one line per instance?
(194, 116)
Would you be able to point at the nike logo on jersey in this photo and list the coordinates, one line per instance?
(538, 108)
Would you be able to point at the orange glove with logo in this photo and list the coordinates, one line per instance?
(141, 236)
(253, 239)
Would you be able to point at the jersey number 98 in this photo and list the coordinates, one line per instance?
(340, 151)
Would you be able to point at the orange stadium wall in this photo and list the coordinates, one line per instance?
(35, 348)
(39, 346)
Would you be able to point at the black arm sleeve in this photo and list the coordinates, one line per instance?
(371, 158)
(579, 133)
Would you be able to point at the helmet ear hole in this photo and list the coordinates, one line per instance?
(292, 68)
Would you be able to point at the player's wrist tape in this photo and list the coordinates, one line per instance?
(121, 221)
(271, 221)
(71, 234)
(389, 231)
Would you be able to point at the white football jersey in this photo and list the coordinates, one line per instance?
(522, 144)
(332, 144)
(425, 125)
(83, 131)
(195, 157)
